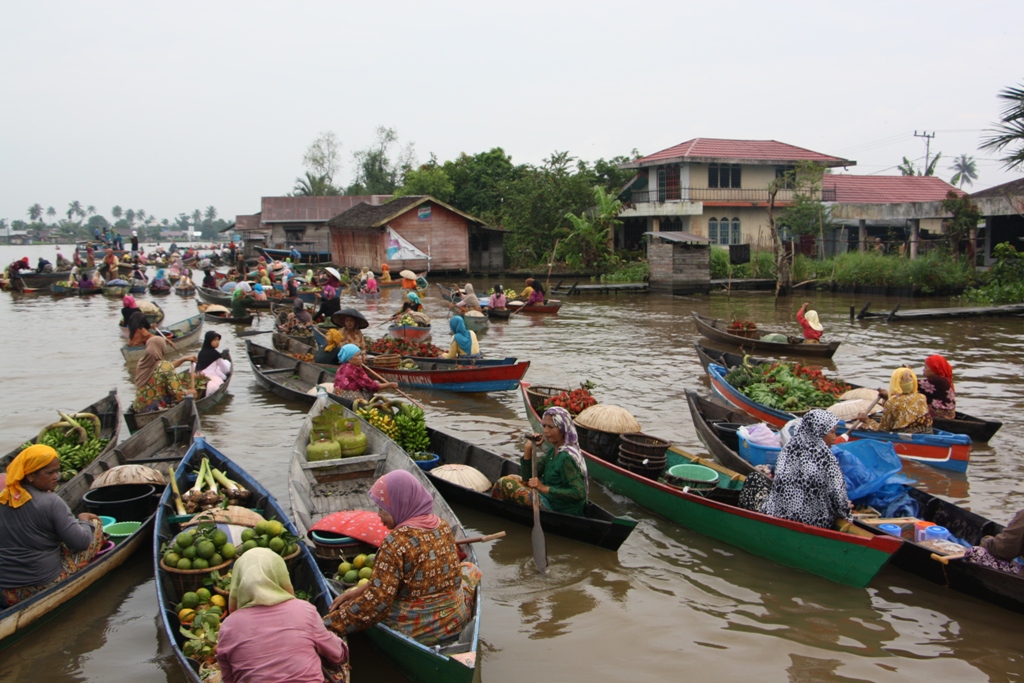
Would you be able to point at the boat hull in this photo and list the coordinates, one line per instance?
(137, 421)
(312, 257)
(410, 332)
(463, 379)
(550, 307)
(714, 330)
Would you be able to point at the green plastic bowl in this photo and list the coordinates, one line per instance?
(690, 472)
(121, 530)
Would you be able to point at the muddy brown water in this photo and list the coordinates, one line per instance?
(671, 604)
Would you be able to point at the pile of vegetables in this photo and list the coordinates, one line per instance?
(402, 422)
(836, 387)
(575, 401)
(75, 440)
(403, 347)
(304, 357)
(510, 294)
(200, 548)
(220, 491)
(378, 412)
(741, 325)
(777, 386)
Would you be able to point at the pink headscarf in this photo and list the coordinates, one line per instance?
(403, 497)
(129, 301)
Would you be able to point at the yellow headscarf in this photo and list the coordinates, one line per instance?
(32, 459)
(259, 577)
(334, 340)
(903, 381)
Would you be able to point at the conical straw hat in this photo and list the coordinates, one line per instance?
(463, 475)
(608, 418)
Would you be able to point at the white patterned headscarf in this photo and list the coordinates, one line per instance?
(563, 420)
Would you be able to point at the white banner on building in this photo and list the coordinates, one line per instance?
(400, 249)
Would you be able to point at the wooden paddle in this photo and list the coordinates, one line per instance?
(481, 539)
(397, 390)
(944, 559)
(858, 423)
(540, 551)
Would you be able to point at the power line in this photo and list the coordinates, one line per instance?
(927, 145)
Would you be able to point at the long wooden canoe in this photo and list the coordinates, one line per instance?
(221, 316)
(216, 296)
(304, 572)
(186, 332)
(295, 346)
(596, 526)
(137, 421)
(410, 332)
(938, 449)
(64, 290)
(318, 489)
(42, 280)
(285, 376)
(841, 557)
(716, 425)
(979, 429)
(158, 445)
(717, 330)
(462, 378)
(550, 306)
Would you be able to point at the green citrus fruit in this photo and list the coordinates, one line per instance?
(228, 551)
(219, 538)
(261, 528)
(365, 573)
(184, 563)
(345, 568)
(190, 600)
(185, 539)
(204, 595)
(351, 576)
(200, 563)
(277, 544)
(171, 559)
(190, 552)
(248, 545)
(275, 528)
(205, 549)
(248, 535)
(370, 559)
(216, 560)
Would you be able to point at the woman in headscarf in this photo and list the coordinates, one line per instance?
(351, 379)
(109, 266)
(527, 290)
(538, 295)
(240, 300)
(412, 304)
(157, 385)
(41, 541)
(264, 278)
(497, 300)
(63, 263)
(138, 329)
(138, 274)
(299, 319)
(370, 286)
(937, 387)
(418, 586)
(160, 281)
(128, 307)
(352, 324)
(464, 343)
(269, 636)
(258, 293)
(209, 279)
(385, 272)
(97, 279)
(329, 304)
(328, 354)
(212, 363)
(905, 411)
(561, 478)
(809, 486)
(469, 301)
(811, 325)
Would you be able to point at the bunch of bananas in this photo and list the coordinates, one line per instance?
(381, 418)
(412, 429)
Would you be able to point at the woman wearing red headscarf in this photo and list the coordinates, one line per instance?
(937, 386)
(418, 587)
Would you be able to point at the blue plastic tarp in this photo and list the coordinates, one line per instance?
(867, 466)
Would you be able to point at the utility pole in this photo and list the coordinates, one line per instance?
(927, 146)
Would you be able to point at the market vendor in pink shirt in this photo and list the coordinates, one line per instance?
(269, 636)
(812, 326)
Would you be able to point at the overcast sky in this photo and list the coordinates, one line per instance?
(174, 106)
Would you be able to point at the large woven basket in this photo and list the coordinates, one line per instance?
(644, 444)
(232, 514)
(538, 395)
(386, 360)
(190, 580)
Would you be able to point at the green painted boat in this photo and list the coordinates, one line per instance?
(834, 555)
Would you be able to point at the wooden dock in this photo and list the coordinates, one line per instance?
(896, 315)
(599, 288)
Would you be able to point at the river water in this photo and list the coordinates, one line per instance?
(671, 603)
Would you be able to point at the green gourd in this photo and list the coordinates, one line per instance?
(322, 446)
(352, 440)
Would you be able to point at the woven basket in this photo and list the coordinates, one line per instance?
(649, 471)
(644, 444)
(641, 458)
(538, 395)
(386, 360)
(604, 445)
(190, 580)
(232, 514)
(746, 334)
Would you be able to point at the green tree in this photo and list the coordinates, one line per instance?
(593, 231)
(140, 215)
(129, 216)
(807, 215)
(908, 168)
(966, 215)
(481, 181)
(1008, 135)
(323, 157)
(75, 209)
(429, 179)
(965, 171)
(197, 220)
(35, 212)
(210, 214)
(377, 171)
(51, 212)
(90, 210)
(314, 186)
(117, 212)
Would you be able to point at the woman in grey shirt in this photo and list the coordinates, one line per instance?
(41, 541)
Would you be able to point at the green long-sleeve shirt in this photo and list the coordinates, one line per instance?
(568, 487)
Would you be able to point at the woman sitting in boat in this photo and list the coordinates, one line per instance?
(160, 281)
(264, 278)
(44, 266)
(497, 300)
(1002, 551)
(329, 304)
(84, 282)
(41, 541)
(299, 319)
(157, 385)
(937, 387)
(258, 294)
(240, 300)
(408, 280)
(561, 478)
(811, 325)
(464, 343)
(809, 486)
(328, 353)
(185, 281)
(212, 363)
(418, 586)
(138, 329)
(138, 273)
(128, 308)
(351, 379)
(209, 279)
(906, 410)
(538, 296)
(109, 266)
(369, 286)
(63, 263)
(385, 272)
(469, 301)
(291, 286)
(97, 279)
(412, 304)
(527, 291)
(351, 323)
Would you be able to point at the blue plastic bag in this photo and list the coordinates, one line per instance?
(867, 466)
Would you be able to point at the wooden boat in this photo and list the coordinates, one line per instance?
(318, 489)
(217, 316)
(896, 315)
(304, 573)
(499, 313)
(596, 526)
(550, 306)
(939, 449)
(185, 291)
(447, 293)
(321, 341)
(116, 291)
(410, 332)
(186, 332)
(138, 287)
(476, 323)
(63, 290)
(717, 330)
(309, 297)
(158, 445)
(137, 421)
(33, 281)
(285, 376)
(367, 296)
(463, 378)
(838, 556)
(215, 296)
(716, 424)
(979, 429)
(312, 257)
(155, 289)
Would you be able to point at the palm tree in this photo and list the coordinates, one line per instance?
(90, 210)
(51, 212)
(140, 215)
(129, 216)
(211, 213)
(1010, 131)
(117, 212)
(74, 208)
(314, 186)
(35, 212)
(966, 171)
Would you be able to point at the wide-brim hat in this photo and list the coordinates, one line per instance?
(334, 272)
(339, 318)
(408, 274)
(278, 265)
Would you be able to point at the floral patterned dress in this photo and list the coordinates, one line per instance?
(940, 395)
(164, 389)
(904, 413)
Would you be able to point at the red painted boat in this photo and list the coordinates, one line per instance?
(940, 449)
(464, 378)
(549, 307)
(410, 332)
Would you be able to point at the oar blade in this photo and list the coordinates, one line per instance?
(540, 550)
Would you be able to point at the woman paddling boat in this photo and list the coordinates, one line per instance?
(157, 385)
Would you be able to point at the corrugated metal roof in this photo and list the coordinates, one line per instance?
(737, 151)
(311, 209)
(1012, 188)
(876, 189)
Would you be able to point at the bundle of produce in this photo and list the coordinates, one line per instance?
(75, 440)
(304, 357)
(412, 428)
(403, 347)
(203, 547)
(835, 387)
(272, 535)
(407, 320)
(378, 412)
(776, 386)
(218, 489)
(357, 572)
(408, 364)
(200, 614)
(510, 294)
(574, 401)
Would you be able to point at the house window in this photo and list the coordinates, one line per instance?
(790, 181)
(736, 232)
(724, 175)
(294, 233)
(668, 184)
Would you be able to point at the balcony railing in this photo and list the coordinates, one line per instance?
(721, 194)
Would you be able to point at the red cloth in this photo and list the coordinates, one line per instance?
(941, 367)
(809, 332)
(361, 525)
(282, 642)
(353, 378)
